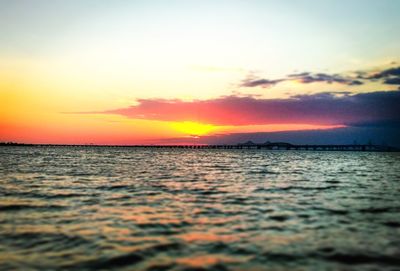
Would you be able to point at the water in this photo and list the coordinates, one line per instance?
(169, 209)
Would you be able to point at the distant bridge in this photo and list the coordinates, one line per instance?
(247, 145)
(286, 146)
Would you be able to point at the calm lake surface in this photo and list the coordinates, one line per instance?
(93, 208)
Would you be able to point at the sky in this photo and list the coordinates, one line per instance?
(155, 72)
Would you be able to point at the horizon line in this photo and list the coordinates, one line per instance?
(247, 145)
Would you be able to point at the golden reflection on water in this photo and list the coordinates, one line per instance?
(209, 260)
(207, 237)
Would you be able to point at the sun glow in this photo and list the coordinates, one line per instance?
(193, 128)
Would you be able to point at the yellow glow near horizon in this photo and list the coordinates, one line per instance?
(193, 128)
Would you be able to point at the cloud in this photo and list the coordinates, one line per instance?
(264, 83)
(346, 135)
(386, 73)
(307, 78)
(381, 124)
(392, 81)
(304, 78)
(320, 109)
(389, 76)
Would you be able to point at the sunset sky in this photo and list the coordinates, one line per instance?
(153, 72)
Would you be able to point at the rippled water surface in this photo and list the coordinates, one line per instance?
(92, 208)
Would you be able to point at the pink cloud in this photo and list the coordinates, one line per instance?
(320, 109)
